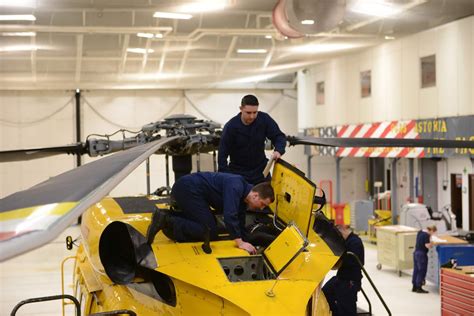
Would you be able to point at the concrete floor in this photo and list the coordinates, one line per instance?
(38, 274)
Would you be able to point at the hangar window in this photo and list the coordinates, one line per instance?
(428, 71)
(320, 93)
(366, 84)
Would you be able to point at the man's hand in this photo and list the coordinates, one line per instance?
(246, 246)
(276, 155)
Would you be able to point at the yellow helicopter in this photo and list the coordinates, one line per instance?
(118, 273)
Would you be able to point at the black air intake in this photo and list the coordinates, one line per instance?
(124, 253)
(329, 233)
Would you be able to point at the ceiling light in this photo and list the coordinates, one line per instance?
(203, 6)
(389, 37)
(18, 48)
(321, 48)
(251, 79)
(268, 36)
(17, 3)
(307, 22)
(252, 51)
(171, 15)
(18, 17)
(140, 50)
(150, 35)
(18, 34)
(376, 8)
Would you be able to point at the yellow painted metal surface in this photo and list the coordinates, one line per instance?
(293, 197)
(284, 248)
(39, 210)
(201, 285)
(382, 218)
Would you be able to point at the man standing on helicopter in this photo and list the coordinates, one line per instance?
(243, 141)
(196, 193)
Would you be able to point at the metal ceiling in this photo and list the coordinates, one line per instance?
(85, 43)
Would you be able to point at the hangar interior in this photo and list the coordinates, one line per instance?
(81, 68)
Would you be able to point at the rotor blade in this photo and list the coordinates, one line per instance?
(33, 217)
(379, 142)
(35, 153)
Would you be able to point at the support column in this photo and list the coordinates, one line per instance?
(338, 179)
(393, 189)
(77, 97)
(309, 166)
(411, 183)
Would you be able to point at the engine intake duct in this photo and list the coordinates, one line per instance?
(329, 233)
(124, 253)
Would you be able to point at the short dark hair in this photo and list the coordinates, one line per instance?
(249, 99)
(265, 191)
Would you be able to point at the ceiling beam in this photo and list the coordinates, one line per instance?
(163, 57)
(33, 58)
(193, 36)
(128, 58)
(123, 57)
(83, 29)
(185, 57)
(79, 45)
(228, 54)
(269, 56)
(145, 55)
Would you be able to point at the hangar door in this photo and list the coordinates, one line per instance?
(429, 180)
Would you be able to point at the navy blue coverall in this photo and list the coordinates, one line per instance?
(341, 290)
(194, 195)
(245, 144)
(420, 259)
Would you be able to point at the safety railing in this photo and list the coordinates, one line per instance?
(371, 283)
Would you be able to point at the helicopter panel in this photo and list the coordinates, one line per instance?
(293, 196)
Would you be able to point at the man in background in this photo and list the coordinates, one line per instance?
(420, 258)
(341, 290)
(243, 140)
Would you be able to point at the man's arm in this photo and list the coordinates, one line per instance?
(223, 152)
(277, 137)
(428, 243)
(232, 194)
(245, 246)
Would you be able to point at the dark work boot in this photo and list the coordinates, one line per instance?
(413, 289)
(206, 246)
(420, 290)
(158, 221)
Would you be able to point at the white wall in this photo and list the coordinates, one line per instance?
(28, 120)
(463, 166)
(353, 177)
(396, 91)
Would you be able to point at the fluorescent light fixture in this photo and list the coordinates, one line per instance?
(268, 36)
(321, 48)
(389, 37)
(150, 35)
(251, 51)
(140, 50)
(203, 6)
(18, 3)
(307, 22)
(171, 15)
(18, 48)
(17, 17)
(18, 34)
(252, 79)
(378, 8)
